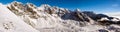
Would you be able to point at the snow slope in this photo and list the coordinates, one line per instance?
(9, 22)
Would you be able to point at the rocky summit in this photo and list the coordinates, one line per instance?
(19, 17)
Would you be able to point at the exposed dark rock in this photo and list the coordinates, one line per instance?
(94, 16)
(50, 11)
(103, 30)
(110, 17)
(108, 22)
(114, 28)
(99, 16)
(76, 15)
(91, 14)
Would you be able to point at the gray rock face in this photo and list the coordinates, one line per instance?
(78, 16)
(102, 30)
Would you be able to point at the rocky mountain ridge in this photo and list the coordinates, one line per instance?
(55, 19)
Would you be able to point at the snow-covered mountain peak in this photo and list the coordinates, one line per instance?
(45, 5)
(30, 5)
(78, 10)
(48, 18)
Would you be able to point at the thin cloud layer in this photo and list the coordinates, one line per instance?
(115, 5)
(113, 14)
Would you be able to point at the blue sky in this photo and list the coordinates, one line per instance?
(98, 6)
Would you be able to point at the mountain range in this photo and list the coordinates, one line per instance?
(19, 17)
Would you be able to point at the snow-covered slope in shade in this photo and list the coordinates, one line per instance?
(9, 22)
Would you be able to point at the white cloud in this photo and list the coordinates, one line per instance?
(113, 14)
(115, 5)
